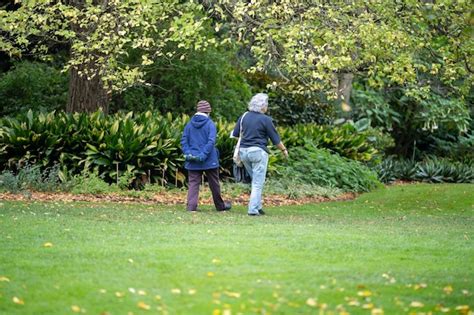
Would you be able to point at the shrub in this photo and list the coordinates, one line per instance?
(431, 169)
(31, 85)
(142, 148)
(32, 177)
(91, 183)
(9, 182)
(344, 139)
(308, 164)
(457, 147)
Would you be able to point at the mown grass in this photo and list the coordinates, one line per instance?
(398, 250)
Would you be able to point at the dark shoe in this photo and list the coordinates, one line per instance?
(195, 210)
(261, 212)
(253, 214)
(227, 207)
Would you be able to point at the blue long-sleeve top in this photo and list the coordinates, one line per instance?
(199, 139)
(257, 128)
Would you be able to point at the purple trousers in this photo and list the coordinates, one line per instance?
(194, 181)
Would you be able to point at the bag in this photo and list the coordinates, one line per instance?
(236, 156)
(240, 174)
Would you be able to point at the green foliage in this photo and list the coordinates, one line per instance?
(415, 120)
(389, 44)
(431, 169)
(101, 34)
(308, 164)
(344, 139)
(141, 144)
(91, 183)
(455, 147)
(137, 99)
(372, 105)
(9, 182)
(32, 177)
(201, 75)
(288, 108)
(32, 85)
(143, 147)
(296, 188)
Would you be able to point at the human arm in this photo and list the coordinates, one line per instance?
(283, 149)
(275, 137)
(211, 142)
(236, 132)
(184, 141)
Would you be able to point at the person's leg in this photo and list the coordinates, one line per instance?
(214, 185)
(256, 159)
(194, 181)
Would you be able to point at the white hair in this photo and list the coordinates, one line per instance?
(258, 102)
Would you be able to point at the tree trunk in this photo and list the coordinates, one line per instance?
(343, 85)
(86, 95)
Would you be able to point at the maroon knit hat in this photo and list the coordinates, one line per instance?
(203, 107)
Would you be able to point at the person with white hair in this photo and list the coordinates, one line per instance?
(257, 128)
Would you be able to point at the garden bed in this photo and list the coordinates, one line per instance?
(166, 198)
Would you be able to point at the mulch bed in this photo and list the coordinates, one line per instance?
(164, 198)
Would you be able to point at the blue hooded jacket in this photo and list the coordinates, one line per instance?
(199, 139)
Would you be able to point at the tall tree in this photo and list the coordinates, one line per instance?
(321, 45)
(101, 35)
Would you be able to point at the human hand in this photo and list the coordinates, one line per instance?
(285, 153)
(196, 158)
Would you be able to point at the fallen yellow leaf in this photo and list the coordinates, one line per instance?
(227, 312)
(216, 261)
(48, 244)
(354, 303)
(141, 292)
(365, 293)
(465, 292)
(75, 309)
(158, 297)
(232, 294)
(311, 302)
(448, 289)
(416, 304)
(4, 279)
(119, 294)
(18, 301)
(216, 312)
(143, 306)
(176, 291)
(192, 291)
(210, 274)
(368, 306)
(445, 309)
(377, 311)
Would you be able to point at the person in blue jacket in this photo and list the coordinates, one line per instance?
(201, 156)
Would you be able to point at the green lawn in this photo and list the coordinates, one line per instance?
(401, 249)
